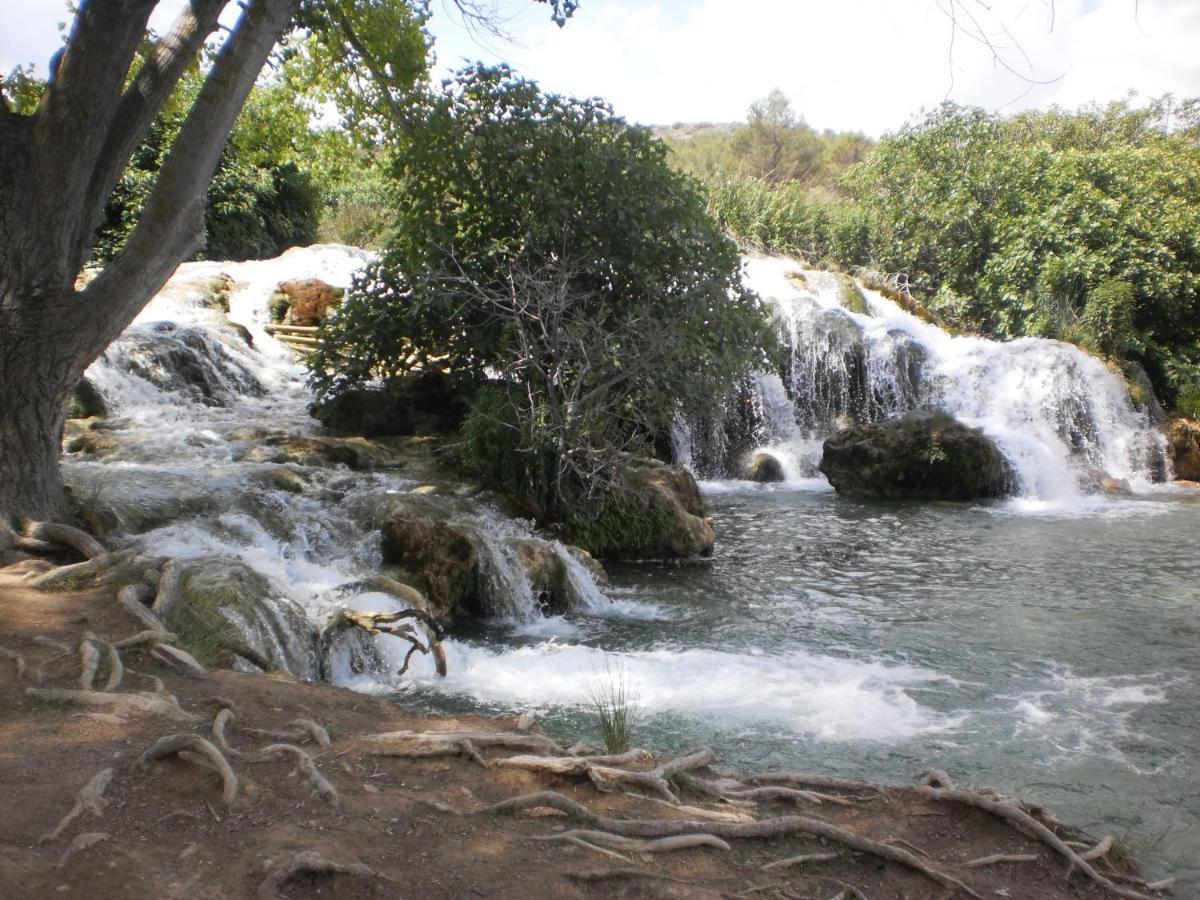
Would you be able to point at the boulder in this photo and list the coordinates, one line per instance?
(223, 611)
(1141, 393)
(548, 569)
(87, 401)
(304, 302)
(1094, 480)
(656, 511)
(184, 360)
(1183, 447)
(438, 558)
(921, 456)
(763, 468)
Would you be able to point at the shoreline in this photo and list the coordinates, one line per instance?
(421, 825)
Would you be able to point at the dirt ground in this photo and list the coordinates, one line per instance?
(164, 830)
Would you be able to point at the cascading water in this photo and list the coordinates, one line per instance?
(1058, 415)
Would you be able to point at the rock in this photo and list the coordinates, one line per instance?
(280, 478)
(439, 558)
(414, 404)
(243, 332)
(308, 301)
(921, 456)
(657, 512)
(1094, 480)
(549, 573)
(218, 291)
(1141, 393)
(763, 468)
(1183, 447)
(224, 608)
(87, 401)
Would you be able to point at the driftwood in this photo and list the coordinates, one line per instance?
(307, 862)
(607, 774)
(90, 800)
(193, 743)
(159, 704)
(375, 623)
(764, 828)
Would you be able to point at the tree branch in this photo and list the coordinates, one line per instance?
(172, 224)
(141, 104)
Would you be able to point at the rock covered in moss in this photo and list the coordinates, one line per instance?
(86, 401)
(438, 557)
(656, 511)
(921, 456)
(1183, 446)
(763, 468)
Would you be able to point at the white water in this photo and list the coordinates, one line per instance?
(1055, 412)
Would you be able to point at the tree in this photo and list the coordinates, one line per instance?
(544, 245)
(61, 162)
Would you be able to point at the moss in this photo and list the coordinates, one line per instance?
(621, 522)
(1188, 401)
(850, 296)
(278, 306)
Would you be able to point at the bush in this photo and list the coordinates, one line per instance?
(1108, 317)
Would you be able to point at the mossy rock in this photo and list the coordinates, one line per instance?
(655, 511)
(850, 296)
(763, 468)
(921, 456)
(1183, 447)
(439, 558)
(86, 401)
(218, 291)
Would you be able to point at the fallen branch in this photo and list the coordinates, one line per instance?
(375, 623)
(65, 535)
(802, 859)
(633, 845)
(764, 828)
(311, 862)
(153, 704)
(90, 799)
(304, 763)
(1027, 825)
(997, 858)
(180, 743)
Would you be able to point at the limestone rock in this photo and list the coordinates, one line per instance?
(1183, 440)
(307, 302)
(439, 558)
(921, 456)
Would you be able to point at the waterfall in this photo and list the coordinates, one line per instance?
(193, 462)
(849, 354)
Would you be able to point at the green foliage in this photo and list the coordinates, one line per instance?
(1188, 401)
(544, 238)
(619, 521)
(616, 700)
(1108, 317)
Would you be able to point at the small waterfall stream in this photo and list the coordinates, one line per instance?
(1056, 413)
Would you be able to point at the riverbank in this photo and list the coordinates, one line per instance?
(422, 826)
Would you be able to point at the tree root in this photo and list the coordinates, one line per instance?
(1099, 850)
(633, 845)
(222, 720)
(764, 828)
(802, 859)
(130, 597)
(785, 793)
(40, 533)
(606, 775)
(179, 743)
(1023, 822)
(807, 779)
(998, 858)
(571, 765)
(75, 575)
(89, 662)
(90, 800)
(311, 862)
(304, 763)
(422, 744)
(18, 661)
(52, 644)
(179, 660)
(80, 843)
(149, 636)
(122, 704)
(315, 732)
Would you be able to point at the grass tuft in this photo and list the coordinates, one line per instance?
(617, 703)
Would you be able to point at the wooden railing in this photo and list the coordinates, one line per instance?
(301, 338)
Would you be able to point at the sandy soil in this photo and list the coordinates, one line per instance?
(165, 831)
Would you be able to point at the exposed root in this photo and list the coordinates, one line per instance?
(80, 843)
(421, 744)
(222, 720)
(1026, 824)
(801, 860)
(89, 661)
(320, 784)
(807, 779)
(311, 862)
(584, 845)
(178, 743)
(50, 642)
(169, 584)
(55, 533)
(699, 812)
(606, 775)
(765, 828)
(160, 704)
(1099, 850)
(793, 795)
(18, 661)
(623, 875)
(633, 845)
(116, 671)
(149, 636)
(178, 660)
(132, 597)
(997, 858)
(90, 800)
(159, 687)
(65, 577)
(316, 733)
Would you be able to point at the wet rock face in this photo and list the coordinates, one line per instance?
(1183, 443)
(87, 401)
(921, 456)
(305, 301)
(185, 360)
(438, 557)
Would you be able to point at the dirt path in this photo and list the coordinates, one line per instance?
(165, 831)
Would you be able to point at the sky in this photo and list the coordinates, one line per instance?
(857, 65)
